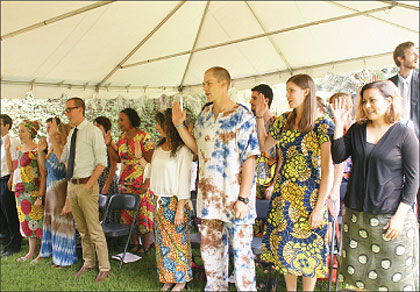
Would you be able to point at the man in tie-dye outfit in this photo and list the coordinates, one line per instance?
(225, 140)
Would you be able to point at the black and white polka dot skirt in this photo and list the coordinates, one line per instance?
(372, 263)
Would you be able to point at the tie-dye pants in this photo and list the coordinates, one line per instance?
(215, 238)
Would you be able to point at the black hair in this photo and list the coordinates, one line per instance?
(266, 91)
(7, 120)
(104, 122)
(57, 120)
(133, 116)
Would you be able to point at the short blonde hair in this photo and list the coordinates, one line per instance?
(220, 74)
(388, 90)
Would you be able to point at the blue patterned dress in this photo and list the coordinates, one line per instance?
(288, 241)
(59, 236)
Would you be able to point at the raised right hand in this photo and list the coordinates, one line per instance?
(42, 145)
(178, 116)
(338, 108)
(137, 149)
(261, 105)
(7, 143)
(108, 138)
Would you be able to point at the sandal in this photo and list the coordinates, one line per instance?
(137, 249)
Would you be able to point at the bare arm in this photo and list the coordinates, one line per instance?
(315, 219)
(248, 172)
(178, 118)
(179, 215)
(338, 178)
(42, 185)
(111, 174)
(112, 151)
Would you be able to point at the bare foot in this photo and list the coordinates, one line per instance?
(166, 287)
(178, 287)
(35, 260)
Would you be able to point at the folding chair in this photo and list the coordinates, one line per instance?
(111, 229)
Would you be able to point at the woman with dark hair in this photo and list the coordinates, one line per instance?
(29, 179)
(169, 173)
(108, 181)
(59, 234)
(295, 239)
(131, 175)
(380, 231)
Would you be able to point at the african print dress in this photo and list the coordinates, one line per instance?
(26, 182)
(131, 178)
(59, 234)
(288, 241)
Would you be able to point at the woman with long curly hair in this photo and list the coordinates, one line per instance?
(169, 173)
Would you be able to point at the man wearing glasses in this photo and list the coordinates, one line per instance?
(85, 154)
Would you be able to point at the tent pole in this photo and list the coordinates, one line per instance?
(371, 16)
(396, 3)
(305, 25)
(56, 18)
(195, 44)
(133, 51)
(275, 46)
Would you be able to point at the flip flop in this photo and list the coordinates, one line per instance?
(22, 259)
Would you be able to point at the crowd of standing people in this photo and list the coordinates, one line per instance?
(364, 158)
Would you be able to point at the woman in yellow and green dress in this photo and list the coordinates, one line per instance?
(29, 181)
(295, 239)
(131, 175)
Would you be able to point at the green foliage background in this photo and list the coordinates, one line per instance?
(40, 109)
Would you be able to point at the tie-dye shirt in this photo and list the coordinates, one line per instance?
(224, 143)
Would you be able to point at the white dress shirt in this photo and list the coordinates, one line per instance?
(13, 145)
(90, 150)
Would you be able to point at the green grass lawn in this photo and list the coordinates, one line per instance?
(138, 276)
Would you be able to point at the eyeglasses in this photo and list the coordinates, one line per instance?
(69, 109)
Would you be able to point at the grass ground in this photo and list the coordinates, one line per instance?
(138, 276)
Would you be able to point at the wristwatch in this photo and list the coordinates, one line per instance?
(243, 200)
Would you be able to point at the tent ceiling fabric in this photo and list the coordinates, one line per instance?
(257, 41)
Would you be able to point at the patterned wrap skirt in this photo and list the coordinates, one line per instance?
(173, 247)
(371, 262)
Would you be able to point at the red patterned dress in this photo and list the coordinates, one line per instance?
(131, 178)
(26, 182)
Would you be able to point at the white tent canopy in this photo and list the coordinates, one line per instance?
(111, 48)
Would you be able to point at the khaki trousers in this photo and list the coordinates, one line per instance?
(84, 206)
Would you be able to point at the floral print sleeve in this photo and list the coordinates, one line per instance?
(277, 127)
(324, 130)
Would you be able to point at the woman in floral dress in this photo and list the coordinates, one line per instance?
(131, 175)
(295, 239)
(29, 179)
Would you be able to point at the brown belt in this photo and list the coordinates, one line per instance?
(79, 181)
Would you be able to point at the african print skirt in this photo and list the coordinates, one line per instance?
(173, 247)
(30, 217)
(373, 263)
